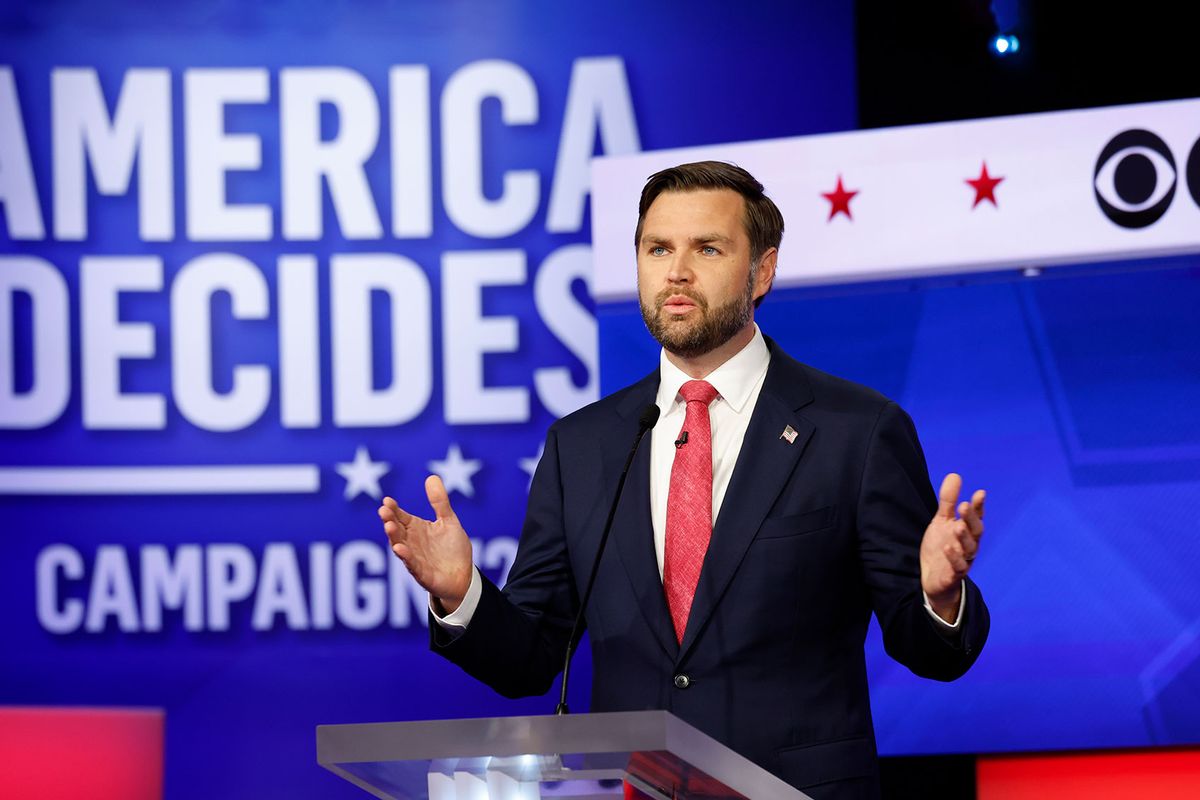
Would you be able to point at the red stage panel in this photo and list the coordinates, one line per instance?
(100, 754)
(1161, 774)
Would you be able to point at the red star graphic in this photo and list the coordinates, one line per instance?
(984, 186)
(839, 200)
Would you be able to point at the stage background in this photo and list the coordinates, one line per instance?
(339, 642)
(1068, 394)
(1065, 395)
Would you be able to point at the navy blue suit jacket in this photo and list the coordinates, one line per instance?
(812, 537)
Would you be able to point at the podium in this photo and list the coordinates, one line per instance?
(581, 756)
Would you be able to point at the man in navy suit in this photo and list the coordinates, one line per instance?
(772, 510)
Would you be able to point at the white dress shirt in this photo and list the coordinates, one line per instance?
(738, 383)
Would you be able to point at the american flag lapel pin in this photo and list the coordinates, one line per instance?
(788, 435)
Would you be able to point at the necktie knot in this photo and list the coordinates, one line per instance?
(698, 392)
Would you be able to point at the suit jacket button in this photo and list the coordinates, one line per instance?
(682, 681)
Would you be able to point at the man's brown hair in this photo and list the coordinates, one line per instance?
(762, 220)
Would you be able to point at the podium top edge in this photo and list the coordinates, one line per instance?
(498, 736)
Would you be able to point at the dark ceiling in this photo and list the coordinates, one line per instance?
(930, 61)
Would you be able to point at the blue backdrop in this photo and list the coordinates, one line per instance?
(1067, 395)
(251, 617)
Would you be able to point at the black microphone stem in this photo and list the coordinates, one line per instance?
(648, 419)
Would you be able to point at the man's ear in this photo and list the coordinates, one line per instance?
(766, 273)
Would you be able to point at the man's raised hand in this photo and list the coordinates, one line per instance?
(437, 552)
(950, 545)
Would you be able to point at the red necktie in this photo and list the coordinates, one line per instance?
(689, 504)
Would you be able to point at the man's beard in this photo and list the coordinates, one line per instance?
(689, 338)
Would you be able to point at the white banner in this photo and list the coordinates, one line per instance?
(1024, 191)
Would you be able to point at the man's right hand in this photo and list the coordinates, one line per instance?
(437, 553)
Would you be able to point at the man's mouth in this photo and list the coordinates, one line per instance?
(678, 304)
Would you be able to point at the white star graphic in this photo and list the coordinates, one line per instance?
(362, 474)
(530, 464)
(456, 471)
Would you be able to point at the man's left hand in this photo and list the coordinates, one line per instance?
(950, 545)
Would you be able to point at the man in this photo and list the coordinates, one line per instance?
(775, 508)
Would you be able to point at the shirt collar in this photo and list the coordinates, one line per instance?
(734, 380)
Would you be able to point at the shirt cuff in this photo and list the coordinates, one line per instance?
(962, 603)
(456, 621)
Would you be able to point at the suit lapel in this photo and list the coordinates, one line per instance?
(764, 465)
(633, 529)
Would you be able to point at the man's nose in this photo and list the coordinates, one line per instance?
(680, 270)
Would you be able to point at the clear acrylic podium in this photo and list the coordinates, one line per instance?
(577, 756)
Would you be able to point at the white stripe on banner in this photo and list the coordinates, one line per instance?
(1024, 191)
(256, 479)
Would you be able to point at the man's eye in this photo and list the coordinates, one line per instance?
(709, 250)
(658, 251)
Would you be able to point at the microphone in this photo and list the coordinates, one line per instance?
(681, 441)
(645, 422)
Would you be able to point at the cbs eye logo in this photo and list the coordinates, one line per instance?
(1135, 178)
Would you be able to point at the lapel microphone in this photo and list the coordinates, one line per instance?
(681, 441)
(645, 422)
